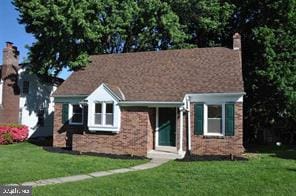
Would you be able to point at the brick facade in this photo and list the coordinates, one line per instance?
(136, 135)
(63, 133)
(9, 110)
(150, 129)
(205, 145)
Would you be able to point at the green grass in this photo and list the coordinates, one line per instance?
(26, 162)
(268, 173)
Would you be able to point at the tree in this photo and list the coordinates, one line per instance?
(205, 21)
(68, 31)
(268, 29)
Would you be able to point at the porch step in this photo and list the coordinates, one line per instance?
(156, 154)
(166, 149)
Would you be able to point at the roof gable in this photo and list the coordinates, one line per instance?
(103, 93)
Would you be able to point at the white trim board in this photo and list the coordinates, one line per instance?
(216, 97)
(69, 99)
(156, 127)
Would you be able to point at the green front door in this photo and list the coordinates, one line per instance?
(167, 126)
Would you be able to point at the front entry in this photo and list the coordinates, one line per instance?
(167, 127)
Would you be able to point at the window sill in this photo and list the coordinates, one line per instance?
(213, 137)
(79, 124)
(103, 128)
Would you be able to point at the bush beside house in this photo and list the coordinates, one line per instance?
(10, 133)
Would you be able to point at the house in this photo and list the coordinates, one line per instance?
(25, 99)
(138, 103)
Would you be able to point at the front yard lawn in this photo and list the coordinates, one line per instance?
(27, 162)
(272, 173)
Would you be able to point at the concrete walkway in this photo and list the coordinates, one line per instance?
(153, 163)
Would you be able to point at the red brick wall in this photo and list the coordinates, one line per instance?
(59, 129)
(135, 136)
(212, 146)
(151, 129)
(62, 134)
(9, 110)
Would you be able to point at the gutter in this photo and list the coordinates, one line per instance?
(150, 103)
(217, 94)
(67, 96)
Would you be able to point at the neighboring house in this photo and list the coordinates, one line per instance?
(24, 99)
(137, 103)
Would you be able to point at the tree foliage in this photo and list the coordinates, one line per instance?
(269, 43)
(204, 21)
(68, 31)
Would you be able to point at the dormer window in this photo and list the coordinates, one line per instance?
(98, 114)
(103, 113)
(109, 114)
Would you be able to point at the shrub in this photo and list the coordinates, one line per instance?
(10, 133)
(7, 138)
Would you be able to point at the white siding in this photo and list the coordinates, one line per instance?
(39, 97)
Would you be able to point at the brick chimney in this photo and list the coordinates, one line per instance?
(10, 54)
(237, 41)
(9, 112)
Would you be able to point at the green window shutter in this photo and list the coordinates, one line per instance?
(229, 119)
(65, 113)
(198, 118)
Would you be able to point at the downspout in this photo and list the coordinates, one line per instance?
(189, 123)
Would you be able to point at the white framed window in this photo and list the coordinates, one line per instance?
(109, 114)
(98, 114)
(214, 119)
(75, 114)
(104, 113)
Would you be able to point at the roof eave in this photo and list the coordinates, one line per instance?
(65, 96)
(151, 103)
(222, 93)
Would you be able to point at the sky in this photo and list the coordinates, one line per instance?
(11, 30)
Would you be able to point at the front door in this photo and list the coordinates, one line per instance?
(167, 127)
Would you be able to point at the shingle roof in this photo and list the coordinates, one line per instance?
(160, 76)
